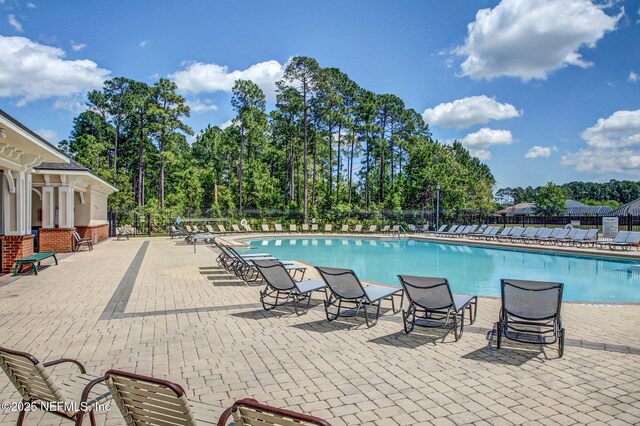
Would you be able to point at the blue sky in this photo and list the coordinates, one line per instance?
(538, 89)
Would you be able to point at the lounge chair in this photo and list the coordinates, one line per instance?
(385, 229)
(358, 229)
(515, 234)
(82, 241)
(243, 266)
(314, 227)
(248, 411)
(620, 237)
(432, 300)
(345, 228)
(530, 313)
(555, 233)
(293, 227)
(542, 234)
(529, 232)
(144, 400)
(247, 227)
(305, 227)
(502, 235)
(484, 229)
(412, 228)
(395, 229)
(590, 238)
(265, 228)
(451, 231)
(236, 229)
(578, 238)
(281, 288)
(346, 289)
(439, 230)
(221, 229)
(372, 229)
(38, 387)
(328, 228)
(278, 227)
(632, 240)
(210, 229)
(467, 230)
(569, 237)
(120, 233)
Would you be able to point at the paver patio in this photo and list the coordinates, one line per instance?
(153, 307)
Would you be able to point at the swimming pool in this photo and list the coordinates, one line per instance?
(469, 269)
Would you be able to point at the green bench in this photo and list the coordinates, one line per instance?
(34, 260)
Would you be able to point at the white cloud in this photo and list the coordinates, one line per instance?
(621, 129)
(530, 38)
(11, 19)
(226, 124)
(74, 103)
(538, 151)
(34, 71)
(198, 77)
(31, 5)
(613, 146)
(77, 46)
(633, 77)
(198, 105)
(144, 43)
(49, 135)
(479, 143)
(466, 112)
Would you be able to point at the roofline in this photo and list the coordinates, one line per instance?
(38, 139)
(77, 173)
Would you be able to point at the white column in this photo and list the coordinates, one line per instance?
(17, 204)
(48, 207)
(65, 207)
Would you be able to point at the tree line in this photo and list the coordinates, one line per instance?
(327, 144)
(613, 193)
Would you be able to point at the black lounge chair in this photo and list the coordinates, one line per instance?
(530, 313)
(632, 240)
(346, 289)
(432, 300)
(280, 287)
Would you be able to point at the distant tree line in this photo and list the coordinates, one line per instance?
(613, 193)
(328, 144)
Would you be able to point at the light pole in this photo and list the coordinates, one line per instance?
(437, 206)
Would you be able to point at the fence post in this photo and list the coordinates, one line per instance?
(629, 222)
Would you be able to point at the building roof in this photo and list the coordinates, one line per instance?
(632, 208)
(574, 208)
(31, 133)
(71, 165)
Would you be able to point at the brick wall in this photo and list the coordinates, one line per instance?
(15, 247)
(96, 233)
(56, 239)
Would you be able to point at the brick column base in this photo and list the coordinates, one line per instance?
(15, 247)
(96, 233)
(56, 239)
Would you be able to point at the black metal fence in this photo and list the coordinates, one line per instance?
(149, 223)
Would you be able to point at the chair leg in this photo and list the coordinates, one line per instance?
(21, 417)
(498, 334)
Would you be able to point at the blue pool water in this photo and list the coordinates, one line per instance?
(469, 269)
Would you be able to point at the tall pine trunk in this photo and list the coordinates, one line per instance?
(338, 153)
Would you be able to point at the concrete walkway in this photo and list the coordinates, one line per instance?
(153, 307)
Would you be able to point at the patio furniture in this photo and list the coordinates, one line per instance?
(632, 240)
(144, 401)
(385, 229)
(221, 229)
(358, 229)
(120, 233)
(452, 231)
(265, 228)
(328, 228)
(555, 233)
(248, 411)
(314, 227)
(431, 304)
(439, 230)
(293, 228)
(412, 228)
(34, 260)
(305, 227)
(278, 227)
(515, 234)
(247, 227)
(345, 228)
(38, 387)
(542, 234)
(236, 229)
(590, 238)
(372, 229)
(281, 288)
(503, 234)
(174, 231)
(577, 238)
(82, 241)
(530, 313)
(466, 231)
(346, 289)
(620, 237)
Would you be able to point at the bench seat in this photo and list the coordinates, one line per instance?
(34, 260)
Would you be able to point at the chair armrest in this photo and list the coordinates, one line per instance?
(63, 360)
(222, 421)
(89, 386)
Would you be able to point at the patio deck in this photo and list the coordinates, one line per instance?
(153, 307)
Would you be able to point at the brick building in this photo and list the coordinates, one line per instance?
(45, 194)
